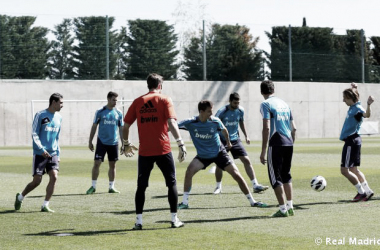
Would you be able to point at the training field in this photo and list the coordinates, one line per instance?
(226, 221)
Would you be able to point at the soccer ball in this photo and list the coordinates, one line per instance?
(318, 183)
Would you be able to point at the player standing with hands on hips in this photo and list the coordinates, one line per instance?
(155, 115)
(45, 134)
(353, 142)
(110, 121)
(279, 130)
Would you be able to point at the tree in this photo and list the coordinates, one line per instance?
(317, 55)
(25, 48)
(193, 60)
(120, 53)
(61, 60)
(231, 55)
(374, 68)
(90, 53)
(151, 48)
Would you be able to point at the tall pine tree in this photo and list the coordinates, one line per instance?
(151, 48)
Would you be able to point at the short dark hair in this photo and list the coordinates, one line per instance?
(234, 96)
(154, 80)
(204, 104)
(267, 87)
(55, 97)
(352, 94)
(112, 94)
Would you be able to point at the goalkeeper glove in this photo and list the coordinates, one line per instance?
(181, 150)
(128, 148)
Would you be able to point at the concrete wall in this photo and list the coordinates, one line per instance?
(317, 107)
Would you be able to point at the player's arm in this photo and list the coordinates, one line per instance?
(224, 132)
(121, 134)
(242, 127)
(367, 113)
(265, 136)
(173, 128)
(128, 146)
(92, 134)
(294, 129)
(59, 148)
(36, 138)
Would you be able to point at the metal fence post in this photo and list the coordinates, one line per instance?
(290, 54)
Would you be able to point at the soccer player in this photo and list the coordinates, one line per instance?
(232, 116)
(155, 115)
(353, 142)
(45, 135)
(279, 129)
(204, 131)
(110, 121)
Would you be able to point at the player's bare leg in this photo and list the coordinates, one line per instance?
(218, 178)
(111, 177)
(192, 169)
(234, 172)
(53, 176)
(95, 175)
(32, 185)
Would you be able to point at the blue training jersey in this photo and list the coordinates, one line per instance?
(205, 135)
(230, 119)
(45, 132)
(353, 122)
(109, 121)
(280, 116)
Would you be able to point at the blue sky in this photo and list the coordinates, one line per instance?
(259, 16)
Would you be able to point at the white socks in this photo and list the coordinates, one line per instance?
(219, 185)
(250, 198)
(359, 188)
(139, 219)
(174, 217)
(283, 208)
(20, 197)
(255, 182)
(289, 204)
(185, 198)
(46, 204)
(366, 188)
(111, 184)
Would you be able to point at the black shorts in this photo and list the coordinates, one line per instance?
(42, 165)
(101, 150)
(164, 162)
(222, 160)
(279, 165)
(237, 148)
(351, 152)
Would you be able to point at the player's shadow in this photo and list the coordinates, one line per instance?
(223, 220)
(134, 212)
(191, 194)
(14, 211)
(71, 232)
(8, 211)
(350, 201)
(64, 195)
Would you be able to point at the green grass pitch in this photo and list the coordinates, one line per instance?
(226, 221)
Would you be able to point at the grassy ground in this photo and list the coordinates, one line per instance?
(226, 221)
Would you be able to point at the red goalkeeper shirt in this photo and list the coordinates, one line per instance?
(152, 112)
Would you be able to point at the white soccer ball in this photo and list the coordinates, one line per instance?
(318, 183)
